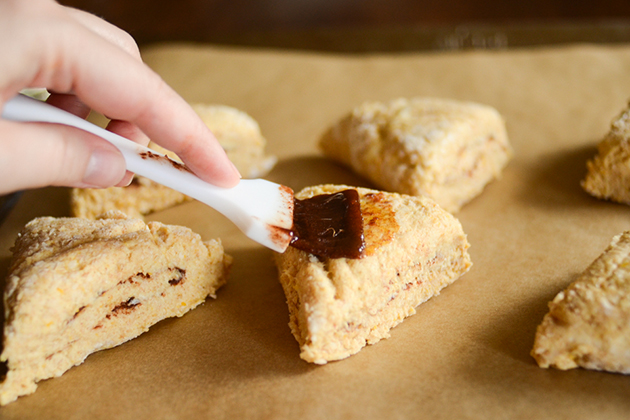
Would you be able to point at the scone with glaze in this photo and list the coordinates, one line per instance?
(76, 286)
(608, 173)
(588, 324)
(445, 149)
(237, 132)
(413, 249)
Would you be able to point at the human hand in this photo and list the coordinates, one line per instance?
(89, 64)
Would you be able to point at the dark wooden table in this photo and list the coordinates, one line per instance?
(367, 25)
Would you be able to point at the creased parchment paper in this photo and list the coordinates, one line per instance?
(465, 354)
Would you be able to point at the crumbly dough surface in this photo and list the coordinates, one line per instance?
(608, 173)
(445, 149)
(140, 198)
(76, 286)
(337, 306)
(240, 137)
(588, 324)
(237, 132)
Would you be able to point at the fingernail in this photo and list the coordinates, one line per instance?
(236, 170)
(105, 168)
(126, 180)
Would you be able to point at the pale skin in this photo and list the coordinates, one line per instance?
(87, 64)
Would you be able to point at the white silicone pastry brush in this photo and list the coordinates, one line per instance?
(262, 209)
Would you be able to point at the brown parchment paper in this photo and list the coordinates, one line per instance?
(465, 354)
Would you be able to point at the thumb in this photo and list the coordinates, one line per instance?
(37, 155)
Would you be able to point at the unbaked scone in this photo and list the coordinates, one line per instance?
(240, 137)
(608, 173)
(413, 249)
(445, 149)
(76, 286)
(588, 324)
(237, 132)
(139, 198)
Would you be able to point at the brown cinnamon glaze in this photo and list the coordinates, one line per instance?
(329, 225)
(161, 158)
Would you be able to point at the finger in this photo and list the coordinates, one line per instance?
(37, 155)
(69, 103)
(74, 105)
(131, 132)
(106, 30)
(128, 131)
(113, 34)
(179, 130)
(133, 92)
(126, 179)
(111, 81)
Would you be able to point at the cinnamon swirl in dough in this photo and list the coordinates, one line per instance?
(413, 249)
(76, 286)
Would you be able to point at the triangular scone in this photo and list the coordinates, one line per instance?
(139, 198)
(76, 286)
(608, 173)
(445, 149)
(336, 306)
(143, 196)
(237, 132)
(588, 324)
(240, 137)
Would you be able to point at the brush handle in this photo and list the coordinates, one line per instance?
(251, 202)
(139, 159)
